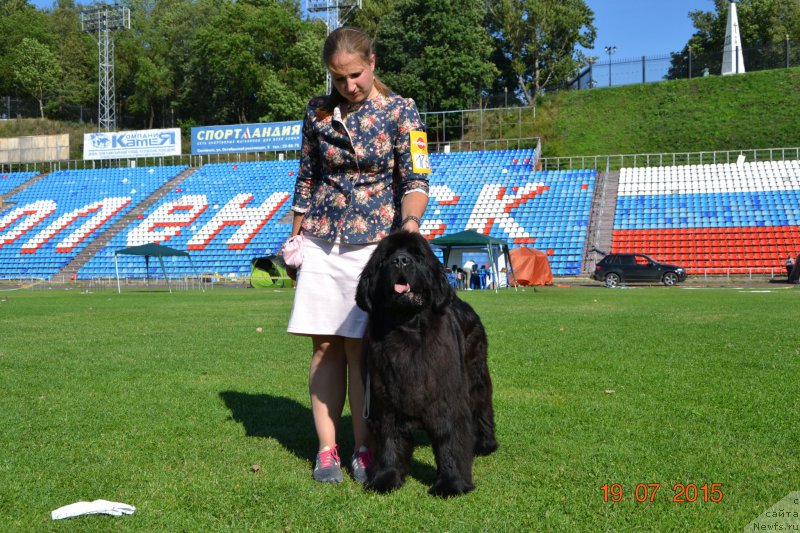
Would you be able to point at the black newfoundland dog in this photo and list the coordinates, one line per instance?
(425, 365)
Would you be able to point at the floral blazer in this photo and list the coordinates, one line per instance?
(355, 171)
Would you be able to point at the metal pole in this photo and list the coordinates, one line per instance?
(164, 271)
(787, 50)
(644, 69)
(116, 267)
(609, 50)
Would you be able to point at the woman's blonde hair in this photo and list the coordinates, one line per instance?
(349, 40)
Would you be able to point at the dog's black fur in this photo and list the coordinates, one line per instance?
(425, 354)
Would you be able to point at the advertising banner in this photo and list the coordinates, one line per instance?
(132, 144)
(271, 137)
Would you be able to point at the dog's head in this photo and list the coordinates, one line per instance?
(403, 276)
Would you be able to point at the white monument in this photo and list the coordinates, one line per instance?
(732, 58)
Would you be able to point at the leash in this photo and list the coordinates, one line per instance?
(365, 410)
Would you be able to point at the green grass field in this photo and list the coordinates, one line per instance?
(167, 401)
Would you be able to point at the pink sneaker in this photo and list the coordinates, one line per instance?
(359, 463)
(327, 468)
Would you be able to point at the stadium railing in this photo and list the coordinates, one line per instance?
(602, 162)
(618, 161)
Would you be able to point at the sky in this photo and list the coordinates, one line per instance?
(643, 27)
(636, 27)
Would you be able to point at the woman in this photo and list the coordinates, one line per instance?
(356, 184)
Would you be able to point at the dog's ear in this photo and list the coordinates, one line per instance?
(363, 297)
(441, 291)
(366, 281)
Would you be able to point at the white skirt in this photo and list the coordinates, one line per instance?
(325, 298)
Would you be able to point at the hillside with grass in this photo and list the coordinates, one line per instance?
(755, 110)
(750, 111)
(42, 126)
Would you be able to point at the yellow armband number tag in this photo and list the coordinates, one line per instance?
(420, 162)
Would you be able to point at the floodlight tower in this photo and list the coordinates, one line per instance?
(104, 19)
(333, 12)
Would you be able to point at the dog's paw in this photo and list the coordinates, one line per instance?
(384, 481)
(486, 447)
(445, 488)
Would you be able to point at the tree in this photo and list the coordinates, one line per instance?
(179, 22)
(9, 7)
(369, 17)
(285, 90)
(76, 55)
(36, 70)
(764, 25)
(436, 52)
(152, 87)
(536, 42)
(145, 72)
(18, 19)
(255, 58)
(786, 19)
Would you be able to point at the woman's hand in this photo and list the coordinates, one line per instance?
(411, 224)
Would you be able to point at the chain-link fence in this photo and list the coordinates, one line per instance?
(681, 65)
(13, 107)
(481, 129)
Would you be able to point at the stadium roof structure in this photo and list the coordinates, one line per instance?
(151, 250)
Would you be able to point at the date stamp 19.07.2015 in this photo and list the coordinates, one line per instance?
(651, 492)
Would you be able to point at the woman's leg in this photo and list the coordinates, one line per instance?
(327, 385)
(352, 348)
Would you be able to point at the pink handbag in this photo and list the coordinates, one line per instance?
(293, 252)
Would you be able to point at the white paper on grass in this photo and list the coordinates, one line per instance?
(95, 507)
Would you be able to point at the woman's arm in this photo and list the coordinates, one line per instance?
(414, 185)
(412, 208)
(297, 221)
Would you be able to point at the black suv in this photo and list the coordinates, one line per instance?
(614, 269)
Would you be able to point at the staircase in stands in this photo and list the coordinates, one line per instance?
(71, 269)
(601, 220)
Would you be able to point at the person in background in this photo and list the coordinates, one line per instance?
(469, 264)
(486, 276)
(459, 276)
(357, 183)
(789, 265)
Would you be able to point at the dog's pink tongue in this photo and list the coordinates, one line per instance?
(401, 288)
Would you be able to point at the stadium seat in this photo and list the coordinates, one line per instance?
(750, 209)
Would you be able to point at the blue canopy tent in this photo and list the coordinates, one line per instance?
(152, 250)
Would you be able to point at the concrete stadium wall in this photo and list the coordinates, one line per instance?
(35, 148)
